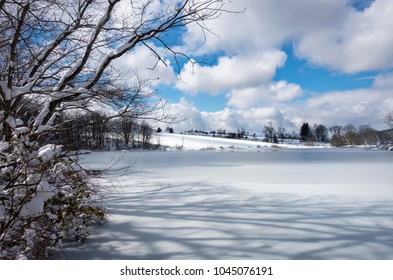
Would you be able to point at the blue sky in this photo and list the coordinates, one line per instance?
(285, 61)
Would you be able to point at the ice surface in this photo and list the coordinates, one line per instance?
(278, 204)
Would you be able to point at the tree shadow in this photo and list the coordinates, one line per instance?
(201, 220)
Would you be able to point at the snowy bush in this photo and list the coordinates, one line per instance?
(56, 58)
(45, 197)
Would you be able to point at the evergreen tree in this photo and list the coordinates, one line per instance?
(305, 132)
(275, 139)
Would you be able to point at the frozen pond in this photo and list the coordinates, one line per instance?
(283, 204)
(334, 171)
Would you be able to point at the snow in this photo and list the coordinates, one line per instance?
(273, 204)
(41, 116)
(47, 152)
(11, 121)
(4, 145)
(21, 130)
(6, 91)
(45, 190)
(17, 91)
(195, 142)
(43, 128)
(33, 208)
(36, 205)
(67, 73)
(2, 212)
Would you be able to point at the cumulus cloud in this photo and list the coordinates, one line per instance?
(384, 81)
(328, 33)
(240, 71)
(284, 91)
(347, 36)
(188, 115)
(358, 107)
(363, 41)
(252, 120)
(144, 63)
(266, 24)
(264, 94)
(228, 119)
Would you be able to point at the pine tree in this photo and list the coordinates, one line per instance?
(305, 132)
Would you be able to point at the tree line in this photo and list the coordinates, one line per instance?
(336, 135)
(95, 131)
(60, 54)
(339, 135)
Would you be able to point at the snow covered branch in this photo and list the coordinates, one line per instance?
(56, 56)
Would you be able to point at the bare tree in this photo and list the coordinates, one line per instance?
(351, 136)
(337, 138)
(368, 135)
(281, 134)
(389, 119)
(269, 130)
(59, 54)
(321, 132)
(386, 137)
(146, 132)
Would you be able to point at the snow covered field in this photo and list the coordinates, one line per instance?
(274, 204)
(196, 142)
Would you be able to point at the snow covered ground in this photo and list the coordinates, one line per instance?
(274, 204)
(196, 142)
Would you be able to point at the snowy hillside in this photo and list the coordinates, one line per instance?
(194, 142)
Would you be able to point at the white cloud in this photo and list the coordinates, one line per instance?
(363, 41)
(228, 119)
(191, 117)
(144, 63)
(252, 120)
(246, 98)
(383, 81)
(328, 33)
(284, 91)
(264, 94)
(266, 24)
(240, 71)
(366, 106)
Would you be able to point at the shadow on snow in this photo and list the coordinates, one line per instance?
(200, 220)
